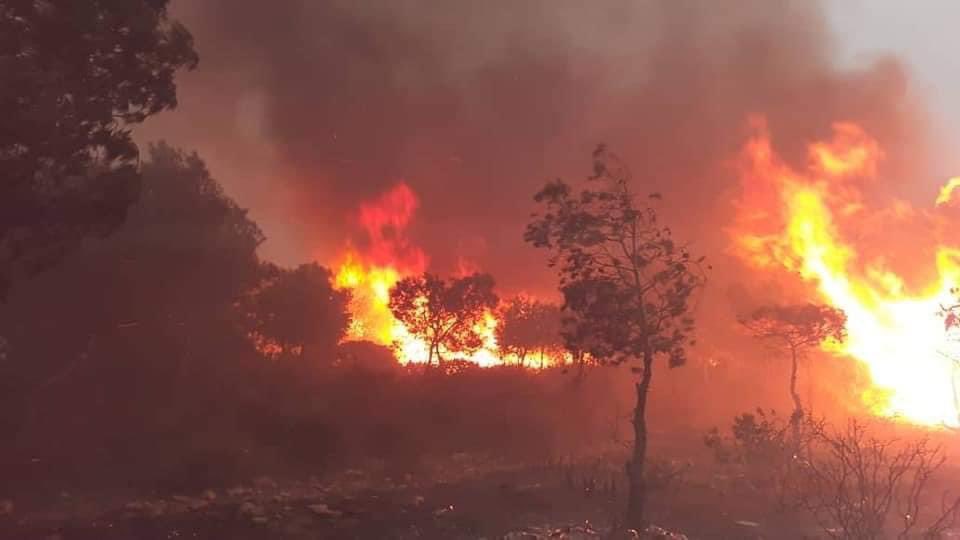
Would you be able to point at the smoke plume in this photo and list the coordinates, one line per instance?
(307, 109)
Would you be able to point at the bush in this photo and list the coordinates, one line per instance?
(859, 486)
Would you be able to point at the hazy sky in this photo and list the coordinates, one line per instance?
(923, 34)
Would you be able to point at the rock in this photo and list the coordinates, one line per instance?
(582, 533)
(281, 497)
(260, 520)
(658, 533)
(147, 508)
(443, 511)
(252, 511)
(209, 495)
(6, 507)
(522, 535)
(239, 491)
(191, 503)
(323, 510)
(585, 532)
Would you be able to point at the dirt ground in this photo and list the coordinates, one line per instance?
(467, 498)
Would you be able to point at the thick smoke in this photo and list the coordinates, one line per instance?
(306, 109)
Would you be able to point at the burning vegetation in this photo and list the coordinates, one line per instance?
(425, 318)
(810, 222)
(412, 333)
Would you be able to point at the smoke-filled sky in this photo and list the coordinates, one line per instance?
(304, 110)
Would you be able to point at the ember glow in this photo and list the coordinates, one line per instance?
(372, 272)
(806, 221)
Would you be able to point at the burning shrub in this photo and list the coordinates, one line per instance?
(529, 326)
(448, 315)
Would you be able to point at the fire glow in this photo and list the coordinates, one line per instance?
(388, 258)
(805, 221)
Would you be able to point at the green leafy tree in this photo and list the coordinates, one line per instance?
(796, 328)
(626, 282)
(76, 77)
(299, 313)
(447, 314)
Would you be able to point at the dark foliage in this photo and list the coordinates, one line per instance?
(298, 313)
(445, 313)
(135, 340)
(626, 283)
(76, 76)
(527, 327)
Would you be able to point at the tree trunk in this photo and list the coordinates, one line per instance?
(797, 405)
(797, 415)
(636, 502)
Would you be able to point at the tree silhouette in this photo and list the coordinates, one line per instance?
(528, 326)
(145, 320)
(445, 314)
(298, 313)
(76, 77)
(796, 328)
(626, 282)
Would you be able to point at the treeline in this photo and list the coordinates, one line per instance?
(168, 355)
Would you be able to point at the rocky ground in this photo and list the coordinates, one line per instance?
(464, 499)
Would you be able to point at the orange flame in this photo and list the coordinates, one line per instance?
(390, 257)
(798, 219)
(946, 192)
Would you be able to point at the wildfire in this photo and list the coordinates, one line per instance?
(806, 221)
(388, 258)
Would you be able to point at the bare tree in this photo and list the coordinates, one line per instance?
(796, 328)
(861, 487)
(627, 286)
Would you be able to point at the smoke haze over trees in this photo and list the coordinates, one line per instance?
(193, 314)
(495, 100)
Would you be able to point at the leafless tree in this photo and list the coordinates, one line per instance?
(861, 487)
